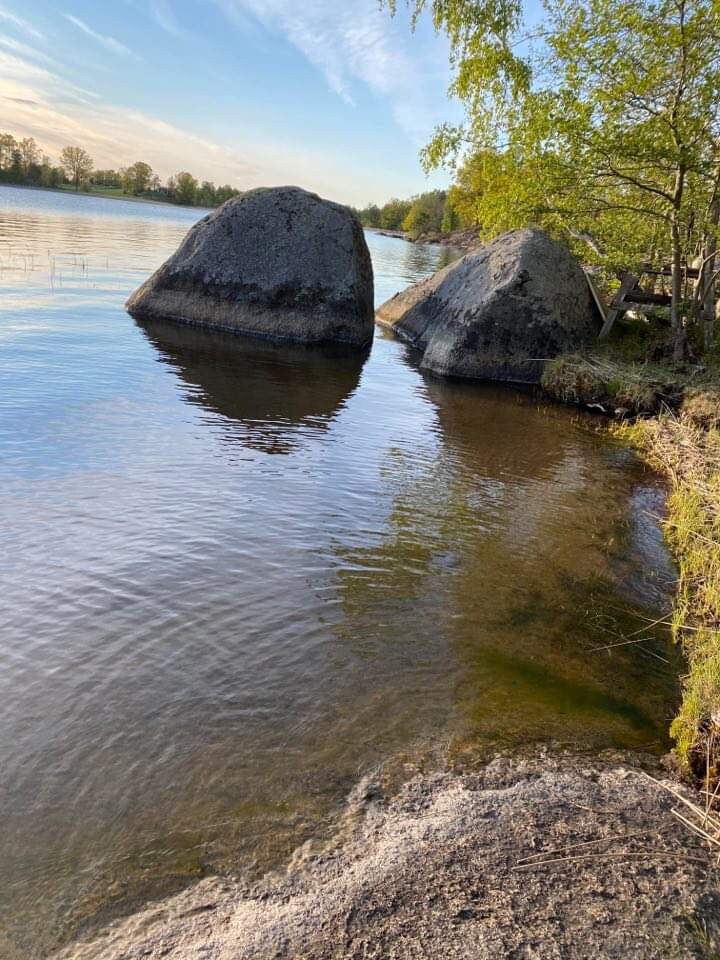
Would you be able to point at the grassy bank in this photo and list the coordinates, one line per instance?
(688, 453)
(676, 427)
(111, 193)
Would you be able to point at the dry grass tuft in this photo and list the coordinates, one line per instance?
(597, 380)
(703, 820)
(702, 406)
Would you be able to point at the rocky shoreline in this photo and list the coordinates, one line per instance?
(545, 856)
(460, 239)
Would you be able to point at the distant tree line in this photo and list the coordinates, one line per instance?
(433, 212)
(22, 162)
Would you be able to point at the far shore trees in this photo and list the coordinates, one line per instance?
(184, 189)
(136, 178)
(426, 213)
(22, 163)
(388, 217)
(7, 145)
(107, 178)
(30, 153)
(77, 164)
(431, 212)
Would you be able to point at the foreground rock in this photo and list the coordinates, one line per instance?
(500, 311)
(278, 263)
(451, 867)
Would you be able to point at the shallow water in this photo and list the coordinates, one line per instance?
(236, 575)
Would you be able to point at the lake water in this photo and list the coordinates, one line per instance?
(236, 576)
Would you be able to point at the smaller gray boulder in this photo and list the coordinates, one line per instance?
(279, 263)
(500, 311)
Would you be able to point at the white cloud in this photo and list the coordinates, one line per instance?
(9, 17)
(109, 42)
(356, 43)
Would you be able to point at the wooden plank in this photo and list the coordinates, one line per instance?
(640, 297)
(633, 304)
(595, 296)
(691, 272)
(618, 306)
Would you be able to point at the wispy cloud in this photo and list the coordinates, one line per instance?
(109, 42)
(164, 16)
(16, 46)
(9, 17)
(27, 103)
(20, 78)
(356, 44)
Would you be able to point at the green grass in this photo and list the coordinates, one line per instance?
(672, 413)
(688, 453)
(113, 193)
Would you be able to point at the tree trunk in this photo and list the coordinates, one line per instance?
(679, 337)
(676, 291)
(708, 285)
(676, 288)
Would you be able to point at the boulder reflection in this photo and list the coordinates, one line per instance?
(270, 395)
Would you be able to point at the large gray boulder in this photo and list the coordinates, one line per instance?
(279, 263)
(500, 311)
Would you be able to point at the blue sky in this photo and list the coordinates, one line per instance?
(330, 94)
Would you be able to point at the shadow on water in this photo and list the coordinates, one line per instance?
(269, 393)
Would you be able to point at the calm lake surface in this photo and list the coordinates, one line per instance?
(236, 576)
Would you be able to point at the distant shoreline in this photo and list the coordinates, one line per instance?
(460, 239)
(97, 194)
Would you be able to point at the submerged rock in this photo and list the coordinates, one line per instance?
(276, 262)
(500, 311)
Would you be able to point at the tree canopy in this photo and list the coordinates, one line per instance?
(601, 123)
(77, 165)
